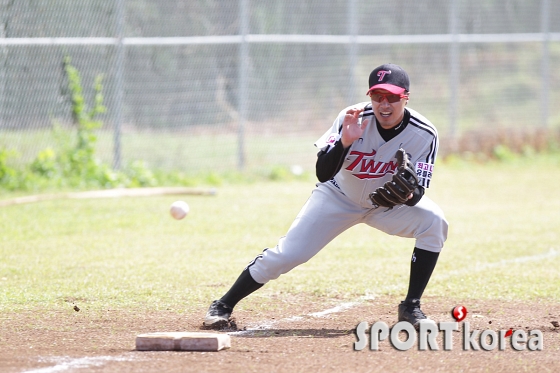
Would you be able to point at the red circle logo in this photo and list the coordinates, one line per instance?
(459, 313)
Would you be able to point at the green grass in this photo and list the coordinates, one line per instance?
(129, 253)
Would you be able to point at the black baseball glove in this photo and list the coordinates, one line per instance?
(396, 191)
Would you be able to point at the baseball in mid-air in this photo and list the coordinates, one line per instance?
(179, 209)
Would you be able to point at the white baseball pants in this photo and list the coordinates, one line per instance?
(327, 213)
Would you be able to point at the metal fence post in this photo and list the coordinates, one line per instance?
(455, 68)
(242, 76)
(545, 30)
(352, 49)
(117, 118)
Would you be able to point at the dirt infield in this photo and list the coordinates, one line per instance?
(302, 336)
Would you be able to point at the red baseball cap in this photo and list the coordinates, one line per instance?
(389, 77)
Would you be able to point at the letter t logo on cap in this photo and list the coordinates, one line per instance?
(381, 74)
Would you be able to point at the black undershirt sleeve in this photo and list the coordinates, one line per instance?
(330, 162)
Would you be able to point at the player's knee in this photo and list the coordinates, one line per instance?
(434, 233)
(444, 228)
(440, 227)
(271, 264)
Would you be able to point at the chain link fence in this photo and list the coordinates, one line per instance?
(213, 85)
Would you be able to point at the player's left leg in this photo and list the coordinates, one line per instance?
(426, 223)
(221, 309)
(326, 214)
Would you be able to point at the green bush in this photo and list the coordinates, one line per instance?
(8, 174)
(72, 162)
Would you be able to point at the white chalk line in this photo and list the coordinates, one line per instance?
(266, 325)
(65, 363)
(484, 266)
(87, 362)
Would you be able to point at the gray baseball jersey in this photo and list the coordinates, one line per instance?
(371, 160)
(342, 202)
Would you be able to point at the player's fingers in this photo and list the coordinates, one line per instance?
(350, 119)
(354, 112)
(365, 122)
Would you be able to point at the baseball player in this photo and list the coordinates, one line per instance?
(374, 165)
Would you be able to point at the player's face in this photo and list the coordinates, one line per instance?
(387, 107)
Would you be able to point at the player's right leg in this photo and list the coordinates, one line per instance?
(427, 224)
(326, 214)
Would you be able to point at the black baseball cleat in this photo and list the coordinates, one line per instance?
(218, 315)
(409, 310)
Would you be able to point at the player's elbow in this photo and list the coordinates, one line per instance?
(322, 176)
(322, 171)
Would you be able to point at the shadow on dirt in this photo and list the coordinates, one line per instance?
(310, 333)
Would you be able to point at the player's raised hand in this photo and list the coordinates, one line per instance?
(351, 130)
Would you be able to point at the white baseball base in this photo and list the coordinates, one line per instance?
(182, 341)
